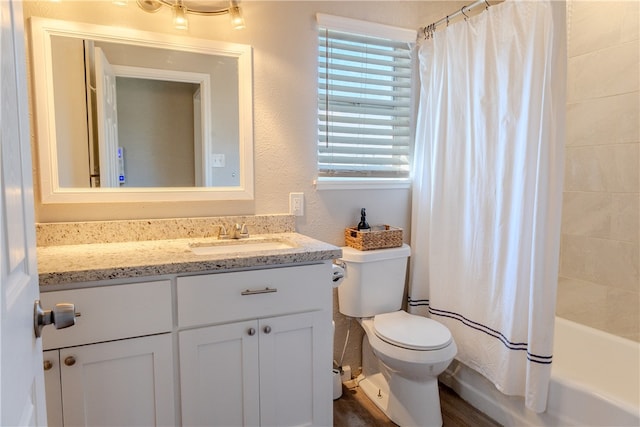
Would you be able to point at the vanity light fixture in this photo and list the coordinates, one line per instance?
(196, 7)
(180, 16)
(237, 21)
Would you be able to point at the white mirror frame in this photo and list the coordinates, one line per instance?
(43, 29)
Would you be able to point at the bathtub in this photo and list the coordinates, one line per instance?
(595, 381)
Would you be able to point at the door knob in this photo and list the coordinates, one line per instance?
(70, 361)
(47, 365)
(267, 329)
(62, 316)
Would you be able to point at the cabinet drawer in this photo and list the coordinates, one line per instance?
(110, 313)
(226, 297)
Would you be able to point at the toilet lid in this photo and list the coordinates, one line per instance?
(411, 331)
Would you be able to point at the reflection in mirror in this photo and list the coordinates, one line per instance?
(130, 115)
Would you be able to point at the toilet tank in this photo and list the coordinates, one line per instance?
(373, 281)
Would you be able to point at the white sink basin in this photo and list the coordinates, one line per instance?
(239, 246)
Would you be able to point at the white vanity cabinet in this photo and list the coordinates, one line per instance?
(115, 366)
(256, 347)
(242, 348)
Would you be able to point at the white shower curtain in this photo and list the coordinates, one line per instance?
(488, 187)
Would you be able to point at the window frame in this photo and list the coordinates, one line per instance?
(365, 28)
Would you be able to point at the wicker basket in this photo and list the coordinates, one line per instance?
(379, 237)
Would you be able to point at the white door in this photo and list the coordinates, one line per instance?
(202, 175)
(107, 114)
(21, 375)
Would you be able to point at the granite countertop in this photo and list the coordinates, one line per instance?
(67, 264)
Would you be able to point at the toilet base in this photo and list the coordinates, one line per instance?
(409, 403)
(404, 401)
(376, 389)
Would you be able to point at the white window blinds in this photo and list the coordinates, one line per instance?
(364, 105)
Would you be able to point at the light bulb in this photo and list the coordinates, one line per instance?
(180, 17)
(237, 21)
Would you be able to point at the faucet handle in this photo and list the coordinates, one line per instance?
(244, 231)
(223, 234)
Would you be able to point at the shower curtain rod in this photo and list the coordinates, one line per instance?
(430, 29)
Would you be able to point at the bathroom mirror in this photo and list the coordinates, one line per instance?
(124, 115)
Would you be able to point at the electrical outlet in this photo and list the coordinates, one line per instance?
(217, 160)
(296, 204)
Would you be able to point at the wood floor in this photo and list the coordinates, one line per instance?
(354, 409)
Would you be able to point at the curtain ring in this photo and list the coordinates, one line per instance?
(488, 5)
(447, 20)
(465, 15)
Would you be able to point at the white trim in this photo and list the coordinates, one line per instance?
(342, 183)
(159, 74)
(145, 194)
(372, 29)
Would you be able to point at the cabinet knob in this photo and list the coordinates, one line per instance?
(251, 331)
(267, 329)
(47, 365)
(70, 361)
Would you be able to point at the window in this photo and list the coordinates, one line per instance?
(365, 102)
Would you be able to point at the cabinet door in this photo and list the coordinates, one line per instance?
(119, 383)
(295, 370)
(219, 375)
(52, 387)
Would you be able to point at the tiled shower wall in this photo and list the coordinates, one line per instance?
(599, 283)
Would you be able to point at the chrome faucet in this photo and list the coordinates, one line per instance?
(237, 232)
(240, 231)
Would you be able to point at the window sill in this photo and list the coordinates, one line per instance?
(324, 183)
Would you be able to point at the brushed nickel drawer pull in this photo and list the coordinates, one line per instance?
(266, 290)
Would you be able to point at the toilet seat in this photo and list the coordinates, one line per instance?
(411, 331)
(415, 363)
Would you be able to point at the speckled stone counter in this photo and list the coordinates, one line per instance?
(74, 253)
(69, 264)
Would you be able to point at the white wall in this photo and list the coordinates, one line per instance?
(283, 36)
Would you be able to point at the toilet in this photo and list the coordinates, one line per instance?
(402, 353)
